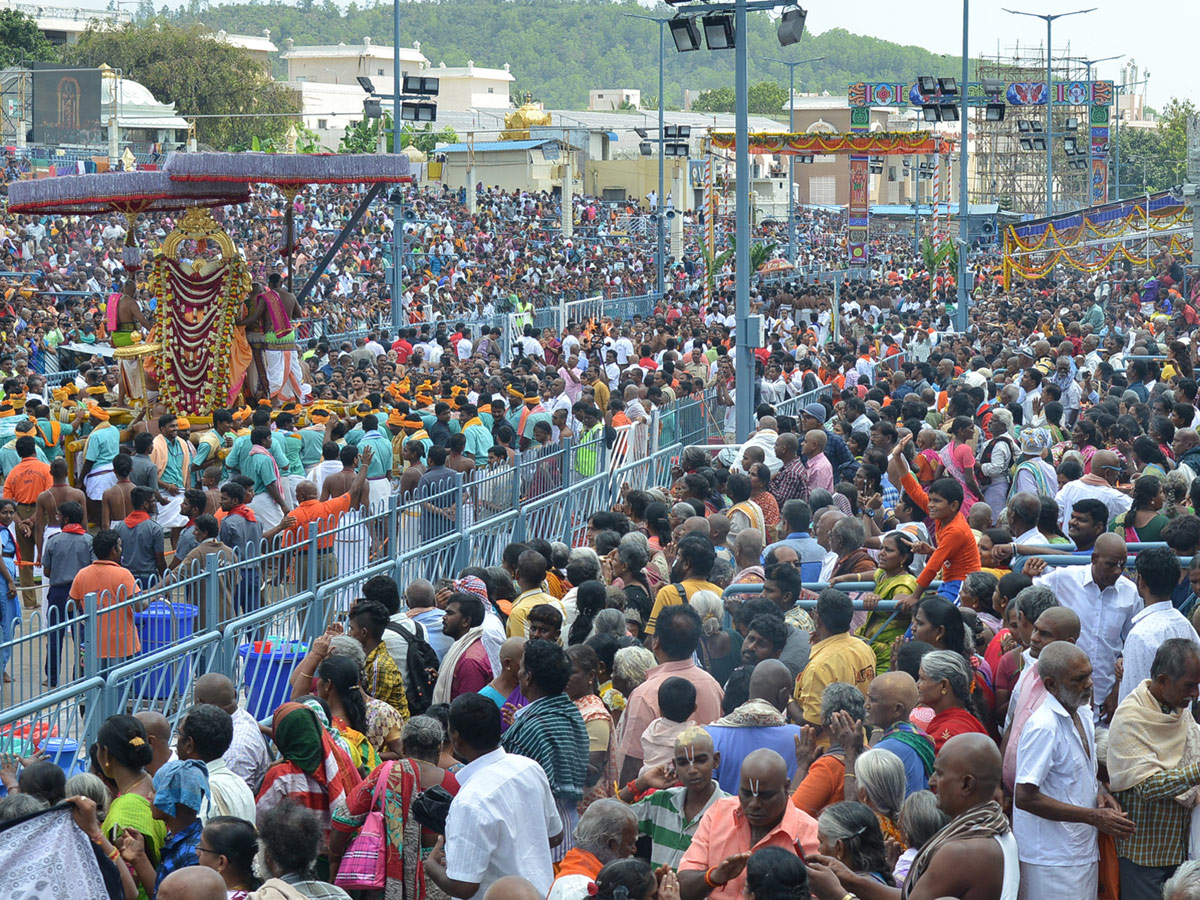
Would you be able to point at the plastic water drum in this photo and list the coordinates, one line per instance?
(161, 625)
(268, 664)
(64, 753)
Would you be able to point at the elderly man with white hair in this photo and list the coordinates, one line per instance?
(1185, 883)
(607, 830)
(1060, 806)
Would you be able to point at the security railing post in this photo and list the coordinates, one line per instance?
(212, 606)
(316, 616)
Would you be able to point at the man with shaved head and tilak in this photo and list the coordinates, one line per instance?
(890, 700)
(973, 858)
(761, 815)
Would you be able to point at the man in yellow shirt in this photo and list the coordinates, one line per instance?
(837, 656)
(531, 574)
(694, 559)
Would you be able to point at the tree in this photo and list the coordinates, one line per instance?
(21, 41)
(767, 98)
(363, 137)
(720, 100)
(188, 66)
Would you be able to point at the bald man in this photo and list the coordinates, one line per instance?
(512, 887)
(759, 722)
(761, 815)
(192, 883)
(696, 525)
(890, 699)
(1105, 601)
(158, 732)
(1099, 484)
(247, 754)
(972, 858)
(817, 467)
(505, 687)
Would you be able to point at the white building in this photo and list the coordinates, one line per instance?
(259, 46)
(141, 119)
(472, 86)
(345, 63)
(64, 24)
(609, 99)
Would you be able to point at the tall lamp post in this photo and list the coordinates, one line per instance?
(660, 255)
(964, 201)
(1049, 18)
(791, 158)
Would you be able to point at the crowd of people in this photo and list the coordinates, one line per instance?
(989, 694)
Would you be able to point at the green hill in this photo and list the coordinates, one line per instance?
(561, 49)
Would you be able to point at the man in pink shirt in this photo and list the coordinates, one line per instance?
(761, 815)
(465, 668)
(676, 637)
(818, 467)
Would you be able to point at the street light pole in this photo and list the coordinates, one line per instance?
(659, 275)
(744, 363)
(964, 203)
(397, 208)
(1049, 18)
(792, 158)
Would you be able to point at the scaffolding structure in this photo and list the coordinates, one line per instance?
(1002, 171)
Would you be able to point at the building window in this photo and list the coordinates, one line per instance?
(322, 124)
(491, 90)
(301, 78)
(379, 71)
(822, 189)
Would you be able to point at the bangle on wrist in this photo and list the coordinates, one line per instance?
(632, 787)
(115, 855)
(708, 879)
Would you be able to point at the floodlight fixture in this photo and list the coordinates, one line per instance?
(1039, 143)
(675, 149)
(927, 84)
(1070, 145)
(948, 86)
(1036, 125)
(366, 84)
(642, 133)
(993, 87)
(791, 26)
(1024, 126)
(930, 113)
(645, 148)
(1026, 144)
(994, 112)
(418, 112)
(1072, 124)
(686, 33)
(420, 86)
(718, 32)
(949, 112)
(372, 108)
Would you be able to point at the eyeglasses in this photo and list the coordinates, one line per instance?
(206, 850)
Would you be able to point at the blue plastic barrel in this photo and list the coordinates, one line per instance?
(64, 753)
(160, 625)
(266, 673)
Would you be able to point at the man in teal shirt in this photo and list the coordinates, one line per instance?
(210, 443)
(479, 436)
(381, 462)
(101, 449)
(8, 453)
(269, 503)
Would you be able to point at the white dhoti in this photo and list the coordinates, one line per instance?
(168, 515)
(266, 510)
(285, 377)
(1058, 882)
(287, 484)
(351, 548)
(99, 480)
(380, 488)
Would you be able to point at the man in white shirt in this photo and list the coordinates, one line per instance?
(624, 347)
(503, 820)
(247, 754)
(205, 734)
(1098, 484)
(1105, 601)
(1059, 806)
(1157, 576)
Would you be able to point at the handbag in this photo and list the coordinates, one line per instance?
(364, 864)
(431, 807)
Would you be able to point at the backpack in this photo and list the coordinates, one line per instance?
(420, 668)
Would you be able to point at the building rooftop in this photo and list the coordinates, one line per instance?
(342, 51)
(261, 43)
(470, 70)
(485, 146)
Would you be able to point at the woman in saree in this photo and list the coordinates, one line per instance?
(958, 460)
(122, 752)
(407, 842)
(893, 578)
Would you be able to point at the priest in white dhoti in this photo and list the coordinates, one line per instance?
(171, 452)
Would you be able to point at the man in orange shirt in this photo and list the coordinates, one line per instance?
(326, 514)
(25, 484)
(114, 585)
(956, 552)
(761, 815)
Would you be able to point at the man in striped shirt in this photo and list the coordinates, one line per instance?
(671, 815)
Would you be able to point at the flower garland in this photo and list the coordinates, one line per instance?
(195, 323)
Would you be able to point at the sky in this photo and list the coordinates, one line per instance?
(1147, 31)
